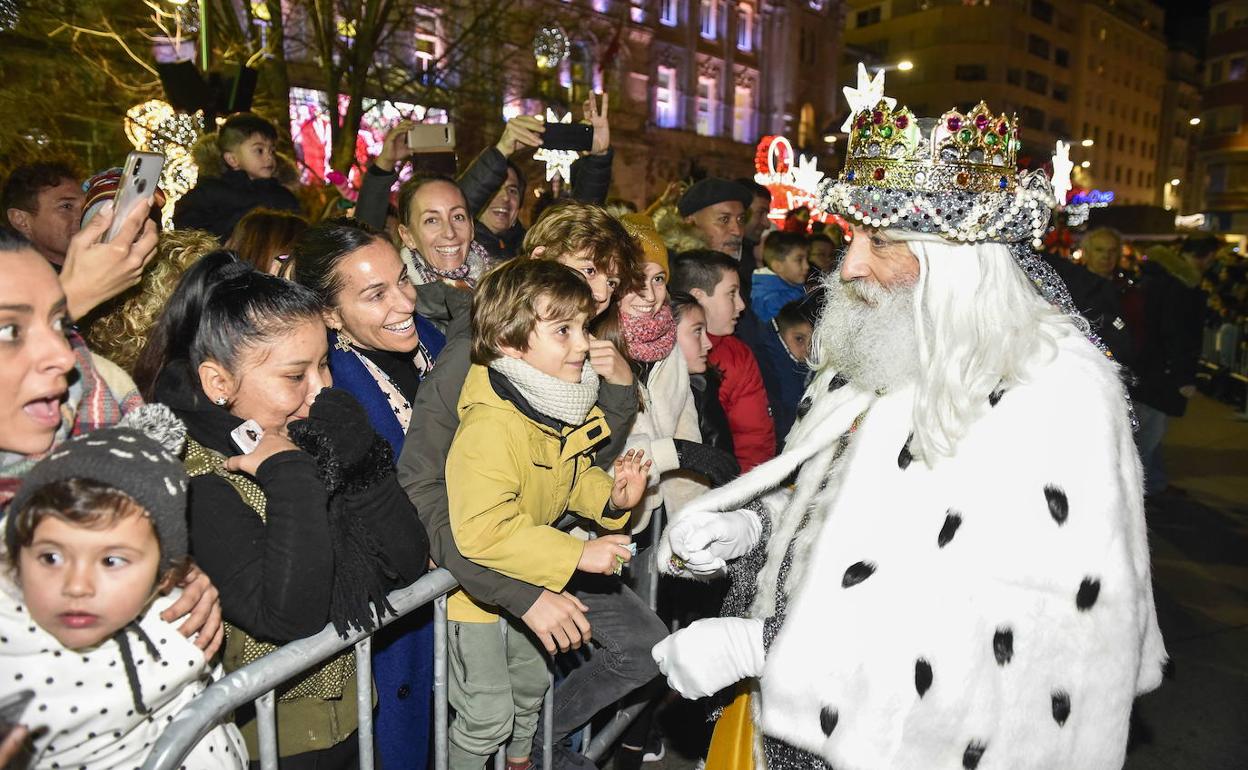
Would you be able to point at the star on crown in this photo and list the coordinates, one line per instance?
(868, 94)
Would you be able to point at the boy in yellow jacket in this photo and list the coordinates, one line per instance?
(522, 458)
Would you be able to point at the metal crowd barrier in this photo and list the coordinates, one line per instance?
(258, 682)
(1225, 349)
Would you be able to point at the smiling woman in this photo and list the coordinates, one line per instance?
(437, 232)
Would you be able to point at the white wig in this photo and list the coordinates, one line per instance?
(981, 324)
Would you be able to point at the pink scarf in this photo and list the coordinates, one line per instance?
(649, 338)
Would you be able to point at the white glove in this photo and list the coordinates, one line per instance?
(702, 542)
(710, 655)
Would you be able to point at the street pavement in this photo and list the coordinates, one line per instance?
(1198, 718)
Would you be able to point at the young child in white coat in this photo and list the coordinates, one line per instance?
(95, 538)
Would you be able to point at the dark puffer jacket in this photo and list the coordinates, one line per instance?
(218, 202)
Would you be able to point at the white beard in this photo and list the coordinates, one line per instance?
(866, 333)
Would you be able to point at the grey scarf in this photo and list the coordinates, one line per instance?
(568, 402)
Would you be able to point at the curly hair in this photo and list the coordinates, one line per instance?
(119, 329)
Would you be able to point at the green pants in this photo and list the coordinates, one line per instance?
(496, 688)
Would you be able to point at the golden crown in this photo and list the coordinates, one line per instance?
(889, 147)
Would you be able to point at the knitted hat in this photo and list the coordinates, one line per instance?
(100, 189)
(137, 456)
(712, 190)
(641, 227)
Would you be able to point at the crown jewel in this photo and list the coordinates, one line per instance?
(955, 175)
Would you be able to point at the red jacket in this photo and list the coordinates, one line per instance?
(744, 400)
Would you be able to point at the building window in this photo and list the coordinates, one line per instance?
(426, 45)
(706, 18)
(1219, 22)
(1235, 69)
(1061, 57)
(1032, 117)
(1061, 92)
(806, 46)
(665, 97)
(1129, 175)
(1037, 83)
(707, 105)
(1042, 10)
(1038, 46)
(970, 72)
(743, 114)
(868, 17)
(1117, 173)
(668, 14)
(745, 28)
(1014, 76)
(1215, 73)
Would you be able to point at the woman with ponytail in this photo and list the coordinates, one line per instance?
(294, 510)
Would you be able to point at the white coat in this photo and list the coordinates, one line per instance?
(83, 713)
(993, 610)
(667, 412)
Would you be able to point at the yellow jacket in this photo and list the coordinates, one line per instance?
(509, 478)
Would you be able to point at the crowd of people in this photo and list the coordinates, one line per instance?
(220, 437)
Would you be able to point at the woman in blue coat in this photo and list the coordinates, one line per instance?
(379, 350)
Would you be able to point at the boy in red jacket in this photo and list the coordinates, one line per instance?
(712, 279)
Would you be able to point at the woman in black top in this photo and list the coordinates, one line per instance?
(309, 526)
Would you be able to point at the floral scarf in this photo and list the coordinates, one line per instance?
(463, 277)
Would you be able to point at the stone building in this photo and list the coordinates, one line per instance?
(1223, 148)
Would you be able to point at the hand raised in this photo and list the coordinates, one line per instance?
(631, 477)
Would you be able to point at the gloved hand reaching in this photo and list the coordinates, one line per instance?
(711, 654)
(702, 542)
(715, 464)
(335, 423)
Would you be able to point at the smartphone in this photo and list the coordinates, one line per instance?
(12, 707)
(139, 179)
(247, 436)
(436, 137)
(568, 136)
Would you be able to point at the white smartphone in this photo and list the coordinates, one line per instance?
(436, 137)
(139, 179)
(247, 436)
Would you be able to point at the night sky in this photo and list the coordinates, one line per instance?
(1187, 23)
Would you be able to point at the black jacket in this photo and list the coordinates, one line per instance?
(1168, 344)
(1097, 300)
(712, 421)
(276, 576)
(218, 202)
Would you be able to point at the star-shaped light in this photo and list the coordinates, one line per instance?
(557, 161)
(867, 95)
(805, 175)
(1062, 166)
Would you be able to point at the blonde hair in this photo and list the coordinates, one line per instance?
(120, 328)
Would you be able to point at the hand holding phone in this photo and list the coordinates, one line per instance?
(140, 178)
(437, 137)
(568, 136)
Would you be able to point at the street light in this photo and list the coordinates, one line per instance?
(1194, 122)
(1086, 164)
(1174, 182)
(905, 65)
(1087, 143)
(830, 138)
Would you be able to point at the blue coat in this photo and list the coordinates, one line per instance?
(784, 378)
(769, 292)
(402, 652)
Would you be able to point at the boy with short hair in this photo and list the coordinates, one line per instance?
(711, 278)
(522, 458)
(248, 147)
(784, 345)
(783, 279)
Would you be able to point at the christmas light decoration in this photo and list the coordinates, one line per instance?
(154, 126)
(1062, 166)
(557, 161)
(551, 46)
(794, 181)
(10, 14)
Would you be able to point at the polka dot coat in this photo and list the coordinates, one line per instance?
(991, 610)
(83, 713)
